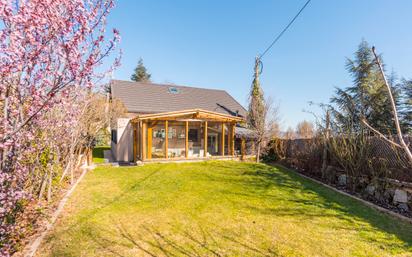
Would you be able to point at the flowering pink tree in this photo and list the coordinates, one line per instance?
(49, 51)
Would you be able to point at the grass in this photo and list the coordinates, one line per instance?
(98, 153)
(218, 209)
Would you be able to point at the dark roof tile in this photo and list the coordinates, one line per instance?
(139, 97)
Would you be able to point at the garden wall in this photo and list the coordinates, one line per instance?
(377, 171)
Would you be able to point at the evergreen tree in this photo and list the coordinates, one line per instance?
(257, 108)
(367, 97)
(256, 100)
(140, 73)
(406, 110)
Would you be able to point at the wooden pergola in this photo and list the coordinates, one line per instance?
(143, 124)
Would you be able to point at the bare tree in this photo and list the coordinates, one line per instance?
(97, 114)
(269, 126)
(289, 134)
(305, 129)
(402, 144)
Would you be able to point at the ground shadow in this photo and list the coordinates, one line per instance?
(125, 192)
(308, 200)
(193, 241)
(343, 207)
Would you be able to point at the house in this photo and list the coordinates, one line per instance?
(169, 122)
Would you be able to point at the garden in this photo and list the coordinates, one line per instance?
(218, 208)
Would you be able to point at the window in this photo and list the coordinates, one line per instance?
(157, 136)
(173, 90)
(114, 136)
(177, 142)
(193, 135)
(159, 133)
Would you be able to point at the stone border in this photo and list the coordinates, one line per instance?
(32, 248)
(376, 207)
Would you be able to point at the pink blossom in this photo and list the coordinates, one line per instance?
(49, 52)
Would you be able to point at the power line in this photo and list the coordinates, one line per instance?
(284, 30)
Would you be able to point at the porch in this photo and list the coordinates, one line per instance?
(184, 135)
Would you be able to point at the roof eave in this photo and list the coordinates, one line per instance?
(197, 113)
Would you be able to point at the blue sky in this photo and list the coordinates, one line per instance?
(212, 44)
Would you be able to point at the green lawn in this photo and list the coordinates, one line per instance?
(98, 153)
(218, 209)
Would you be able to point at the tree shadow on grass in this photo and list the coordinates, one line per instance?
(251, 187)
(90, 214)
(189, 241)
(309, 199)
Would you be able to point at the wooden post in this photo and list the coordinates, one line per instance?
(149, 141)
(232, 139)
(139, 140)
(205, 140)
(228, 140)
(167, 139)
(243, 149)
(140, 143)
(222, 144)
(187, 140)
(137, 125)
(134, 142)
(144, 140)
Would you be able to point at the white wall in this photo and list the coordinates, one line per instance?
(123, 149)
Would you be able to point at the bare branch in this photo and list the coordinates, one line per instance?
(395, 112)
(380, 134)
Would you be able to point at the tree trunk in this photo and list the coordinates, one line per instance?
(258, 153)
(5, 124)
(49, 190)
(394, 111)
(325, 146)
(43, 186)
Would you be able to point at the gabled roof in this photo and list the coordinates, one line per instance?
(142, 97)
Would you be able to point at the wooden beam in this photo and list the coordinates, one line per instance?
(243, 149)
(232, 139)
(187, 140)
(144, 140)
(139, 142)
(149, 142)
(166, 139)
(222, 141)
(228, 142)
(134, 142)
(205, 139)
(193, 113)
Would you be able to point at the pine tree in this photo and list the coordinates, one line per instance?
(406, 110)
(140, 73)
(367, 97)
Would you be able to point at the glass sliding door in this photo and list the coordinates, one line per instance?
(177, 139)
(195, 139)
(156, 135)
(217, 138)
(214, 137)
(227, 138)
